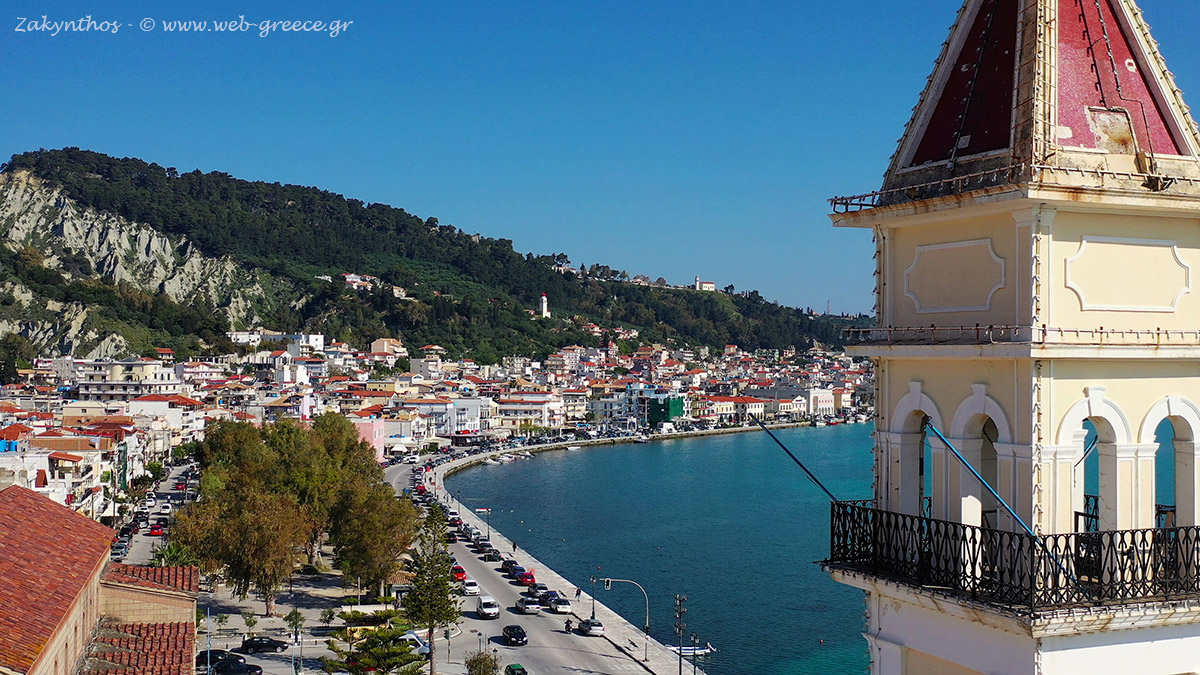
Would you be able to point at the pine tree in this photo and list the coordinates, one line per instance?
(431, 603)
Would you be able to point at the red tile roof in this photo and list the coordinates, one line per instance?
(186, 579)
(49, 553)
(142, 649)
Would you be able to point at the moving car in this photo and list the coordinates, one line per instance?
(459, 573)
(263, 644)
(470, 587)
(591, 627)
(515, 635)
(528, 605)
(515, 669)
(487, 607)
(156, 530)
(418, 643)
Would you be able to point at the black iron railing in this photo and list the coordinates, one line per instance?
(1011, 569)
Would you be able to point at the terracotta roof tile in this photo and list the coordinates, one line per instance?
(186, 579)
(142, 649)
(49, 553)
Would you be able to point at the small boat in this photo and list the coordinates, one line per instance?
(574, 447)
(640, 439)
(524, 454)
(492, 460)
(819, 423)
(693, 651)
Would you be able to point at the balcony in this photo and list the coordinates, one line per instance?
(995, 334)
(1010, 570)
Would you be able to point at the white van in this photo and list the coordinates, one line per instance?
(487, 607)
(412, 458)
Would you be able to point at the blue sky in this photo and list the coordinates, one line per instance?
(670, 139)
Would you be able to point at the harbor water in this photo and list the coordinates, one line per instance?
(729, 521)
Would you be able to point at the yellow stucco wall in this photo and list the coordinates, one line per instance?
(1100, 262)
(956, 267)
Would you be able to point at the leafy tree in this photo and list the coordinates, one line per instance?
(221, 620)
(327, 616)
(294, 620)
(250, 620)
(431, 602)
(157, 470)
(372, 530)
(16, 351)
(482, 663)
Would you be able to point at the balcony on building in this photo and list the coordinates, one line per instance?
(1043, 335)
(1011, 570)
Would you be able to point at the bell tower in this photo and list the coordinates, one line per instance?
(1036, 505)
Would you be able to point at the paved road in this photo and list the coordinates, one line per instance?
(550, 648)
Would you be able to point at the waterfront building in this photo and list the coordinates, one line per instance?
(1036, 235)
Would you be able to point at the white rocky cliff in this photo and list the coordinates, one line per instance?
(34, 214)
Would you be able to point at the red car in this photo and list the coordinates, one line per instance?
(180, 485)
(526, 579)
(459, 572)
(155, 530)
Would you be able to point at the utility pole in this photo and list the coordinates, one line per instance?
(680, 626)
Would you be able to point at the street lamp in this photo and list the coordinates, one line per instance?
(695, 651)
(593, 597)
(645, 628)
(680, 626)
(495, 661)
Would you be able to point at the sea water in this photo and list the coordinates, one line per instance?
(729, 521)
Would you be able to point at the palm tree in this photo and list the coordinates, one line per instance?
(172, 554)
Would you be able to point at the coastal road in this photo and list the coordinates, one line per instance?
(550, 648)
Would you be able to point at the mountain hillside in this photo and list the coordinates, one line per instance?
(104, 256)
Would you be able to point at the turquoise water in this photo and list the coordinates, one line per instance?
(728, 521)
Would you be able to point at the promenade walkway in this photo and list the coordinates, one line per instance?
(629, 639)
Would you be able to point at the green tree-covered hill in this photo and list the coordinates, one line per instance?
(467, 292)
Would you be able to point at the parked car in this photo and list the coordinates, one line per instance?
(231, 667)
(516, 571)
(526, 579)
(217, 656)
(515, 635)
(180, 485)
(528, 605)
(560, 605)
(591, 627)
(470, 587)
(507, 565)
(252, 645)
(538, 590)
(165, 508)
(515, 669)
(459, 572)
(493, 555)
(487, 607)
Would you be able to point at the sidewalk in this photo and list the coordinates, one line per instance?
(626, 637)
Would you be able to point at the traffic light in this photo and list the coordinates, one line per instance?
(608, 584)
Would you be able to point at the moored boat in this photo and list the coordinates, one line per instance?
(689, 650)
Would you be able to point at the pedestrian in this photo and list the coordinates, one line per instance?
(514, 547)
(578, 592)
